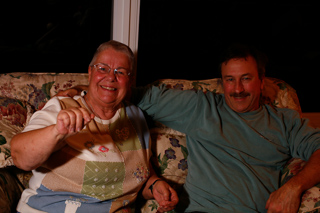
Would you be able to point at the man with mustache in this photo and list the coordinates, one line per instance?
(237, 146)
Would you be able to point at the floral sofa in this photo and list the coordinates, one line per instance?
(24, 93)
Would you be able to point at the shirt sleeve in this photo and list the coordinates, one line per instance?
(46, 116)
(303, 139)
(177, 109)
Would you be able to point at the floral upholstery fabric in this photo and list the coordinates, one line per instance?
(13, 117)
(276, 92)
(37, 88)
(23, 93)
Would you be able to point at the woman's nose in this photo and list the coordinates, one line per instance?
(111, 75)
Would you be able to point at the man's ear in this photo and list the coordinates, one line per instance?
(262, 83)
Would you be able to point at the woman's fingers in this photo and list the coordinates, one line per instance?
(72, 120)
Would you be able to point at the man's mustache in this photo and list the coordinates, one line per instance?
(239, 95)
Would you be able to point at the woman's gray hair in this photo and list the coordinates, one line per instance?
(118, 46)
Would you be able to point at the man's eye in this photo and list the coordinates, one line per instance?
(102, 69)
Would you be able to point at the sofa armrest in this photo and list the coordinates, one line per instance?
(310, 201)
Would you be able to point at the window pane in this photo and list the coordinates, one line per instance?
(52, 35)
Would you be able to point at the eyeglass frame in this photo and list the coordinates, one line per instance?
(115, 70)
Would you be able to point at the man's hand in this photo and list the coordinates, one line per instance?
(166, 196)
(285, 200)
(67, 93)
(288, 197)
(72, 91)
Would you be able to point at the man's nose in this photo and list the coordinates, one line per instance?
(239, 87)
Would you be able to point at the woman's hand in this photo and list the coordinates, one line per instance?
(165, 195)
(72, 120)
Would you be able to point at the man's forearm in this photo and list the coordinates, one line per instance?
(287, 198)
(309, 175)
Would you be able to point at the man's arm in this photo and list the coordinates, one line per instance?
(288, 197)
(72, 91)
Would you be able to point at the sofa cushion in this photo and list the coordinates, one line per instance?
(14, 114)
(169, 155)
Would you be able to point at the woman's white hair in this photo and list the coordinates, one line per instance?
(118, 46)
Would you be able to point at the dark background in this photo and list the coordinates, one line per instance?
(177, 39)
(52, 35)
(182, 39)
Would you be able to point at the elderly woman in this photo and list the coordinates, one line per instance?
(91, 153)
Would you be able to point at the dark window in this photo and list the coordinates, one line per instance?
(182, 39)
(52, 35)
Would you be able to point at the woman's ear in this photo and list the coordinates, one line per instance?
(132, 81)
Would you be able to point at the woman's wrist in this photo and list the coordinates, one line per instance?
(152, 185)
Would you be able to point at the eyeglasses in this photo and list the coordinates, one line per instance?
(105, 69)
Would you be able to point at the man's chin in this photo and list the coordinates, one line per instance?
(240, 108)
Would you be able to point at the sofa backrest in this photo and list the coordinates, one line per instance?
(37, 88)
(276, 92)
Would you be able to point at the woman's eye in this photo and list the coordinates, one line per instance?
(119, 72)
